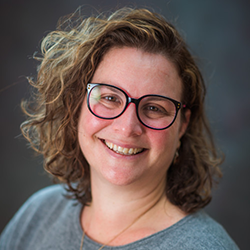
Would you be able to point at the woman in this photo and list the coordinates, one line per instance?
(119, 119)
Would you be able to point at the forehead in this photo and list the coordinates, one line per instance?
(139, 73)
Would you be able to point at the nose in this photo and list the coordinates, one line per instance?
(128, 123)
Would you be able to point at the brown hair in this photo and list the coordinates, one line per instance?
(70, 56)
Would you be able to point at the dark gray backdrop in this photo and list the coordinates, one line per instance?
(218, 32)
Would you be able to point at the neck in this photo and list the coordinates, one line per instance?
(118, 209)
(133, 198)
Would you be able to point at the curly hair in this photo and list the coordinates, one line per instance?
(69, 58)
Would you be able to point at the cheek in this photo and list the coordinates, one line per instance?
(164, 147)
(164, 144)
(86, 128)
(165, 139)
(89, 125)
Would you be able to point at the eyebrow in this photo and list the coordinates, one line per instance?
(154, 97)
(113, 88)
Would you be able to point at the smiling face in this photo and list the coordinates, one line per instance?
(123, 151)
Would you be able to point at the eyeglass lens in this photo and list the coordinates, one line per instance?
(109, 102)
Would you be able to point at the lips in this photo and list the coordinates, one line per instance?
(121, 150)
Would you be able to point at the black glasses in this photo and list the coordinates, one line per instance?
(153, 111)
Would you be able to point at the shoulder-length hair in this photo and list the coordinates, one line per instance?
(70, 56)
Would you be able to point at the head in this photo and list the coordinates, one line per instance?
(71, 56)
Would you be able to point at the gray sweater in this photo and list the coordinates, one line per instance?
(49, 221)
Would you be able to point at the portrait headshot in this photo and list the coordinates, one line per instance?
(124, 125)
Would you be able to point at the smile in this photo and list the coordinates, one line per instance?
(121, 150)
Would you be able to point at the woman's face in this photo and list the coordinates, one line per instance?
(138, 73)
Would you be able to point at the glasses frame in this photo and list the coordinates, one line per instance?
(136, 101)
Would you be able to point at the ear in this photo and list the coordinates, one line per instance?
(184, 122)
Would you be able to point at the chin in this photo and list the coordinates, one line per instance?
(121, 177)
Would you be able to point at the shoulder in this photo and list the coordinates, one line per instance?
(46, 195)
(46, 199)
(199, 230)
(44, 210)
(50, 192)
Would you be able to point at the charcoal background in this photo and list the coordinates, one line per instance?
(218, 33)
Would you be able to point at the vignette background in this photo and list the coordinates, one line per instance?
(217, 32)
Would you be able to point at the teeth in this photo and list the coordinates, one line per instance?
(121, 150)
(125, 151)
(130, 151)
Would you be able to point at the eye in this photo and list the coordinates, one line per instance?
(110, 98)
(153, 108)
(111, 101)
(154, 111)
